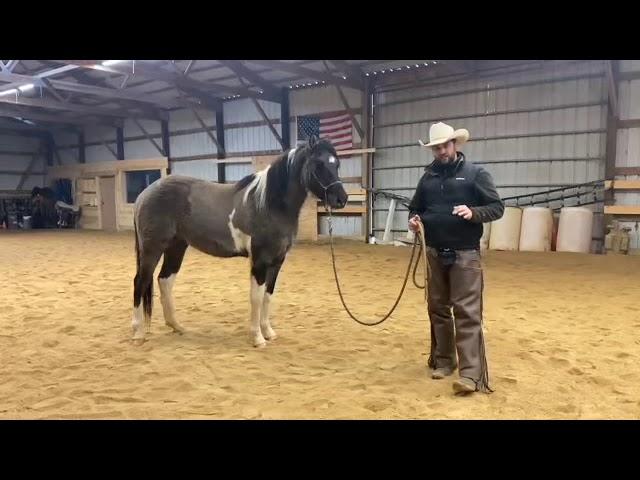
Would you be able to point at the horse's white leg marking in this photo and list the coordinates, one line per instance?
(138, 323)
(265, 325)
(166, 298)
(257, 298)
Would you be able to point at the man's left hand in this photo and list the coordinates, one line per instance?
(463, 211)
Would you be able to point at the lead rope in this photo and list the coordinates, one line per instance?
(406, 277)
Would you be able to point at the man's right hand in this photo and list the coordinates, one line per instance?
(413, 223)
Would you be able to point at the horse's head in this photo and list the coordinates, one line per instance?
(323, 179)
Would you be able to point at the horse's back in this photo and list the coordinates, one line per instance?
(190, 208)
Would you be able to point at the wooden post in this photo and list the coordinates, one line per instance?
(166, 143)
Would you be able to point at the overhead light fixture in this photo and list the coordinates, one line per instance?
(366, 74)
(108, 63)
(21, 88)
(8, 92)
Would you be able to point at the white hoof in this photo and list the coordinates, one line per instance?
(270, 334)
(259, 342)
(177, 328)
(138, 341)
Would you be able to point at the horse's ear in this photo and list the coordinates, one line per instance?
(313, 141)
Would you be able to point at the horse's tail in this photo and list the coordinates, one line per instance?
(147, 294)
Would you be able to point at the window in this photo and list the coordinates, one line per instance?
(138, 181)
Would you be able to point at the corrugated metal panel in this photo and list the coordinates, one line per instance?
(318, 100)
(192, 144)
(628, 148)
(18, 163)
(236, 172)
(560, 157)
(141, 149)
(19, 144)
(65, 138)
(10, 182)
(243, 110)
(98, 133)
(185, 119)
(629, 99)
(151, 126)
(251, 139)
(205, 169)
(629, 65)
(627, 198)
(99, 153)
(343, 225)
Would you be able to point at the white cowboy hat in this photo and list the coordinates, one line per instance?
(442, 133)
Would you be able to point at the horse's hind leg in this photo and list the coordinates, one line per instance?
(173, 257)
(143, 293)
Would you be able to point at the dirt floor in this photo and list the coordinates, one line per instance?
(561, 329)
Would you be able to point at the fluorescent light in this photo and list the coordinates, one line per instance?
(9, 92)
(107, 63)
(13, 91)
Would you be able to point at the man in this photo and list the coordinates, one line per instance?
(453, 199)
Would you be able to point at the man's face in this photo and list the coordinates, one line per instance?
(445, 152)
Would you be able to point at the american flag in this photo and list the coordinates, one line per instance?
(336, 128)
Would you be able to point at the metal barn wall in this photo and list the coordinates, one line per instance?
(16, 153)
(532, 131)
(628, 143)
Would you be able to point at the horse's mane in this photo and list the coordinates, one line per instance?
(271, 184)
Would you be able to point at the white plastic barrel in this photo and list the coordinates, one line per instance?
(505, 232)
(575, 230)
(535, 229)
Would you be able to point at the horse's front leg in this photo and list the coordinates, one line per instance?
(265, 324)
(258, 287)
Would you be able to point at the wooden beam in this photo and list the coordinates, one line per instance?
(346, 210)
(622, 184)
(622, 210)
(357, 151)
(308, 72)
(343, 98)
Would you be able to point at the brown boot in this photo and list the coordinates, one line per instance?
(464, 385)
(440, 373)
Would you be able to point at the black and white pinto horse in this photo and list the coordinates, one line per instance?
(256, 217)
